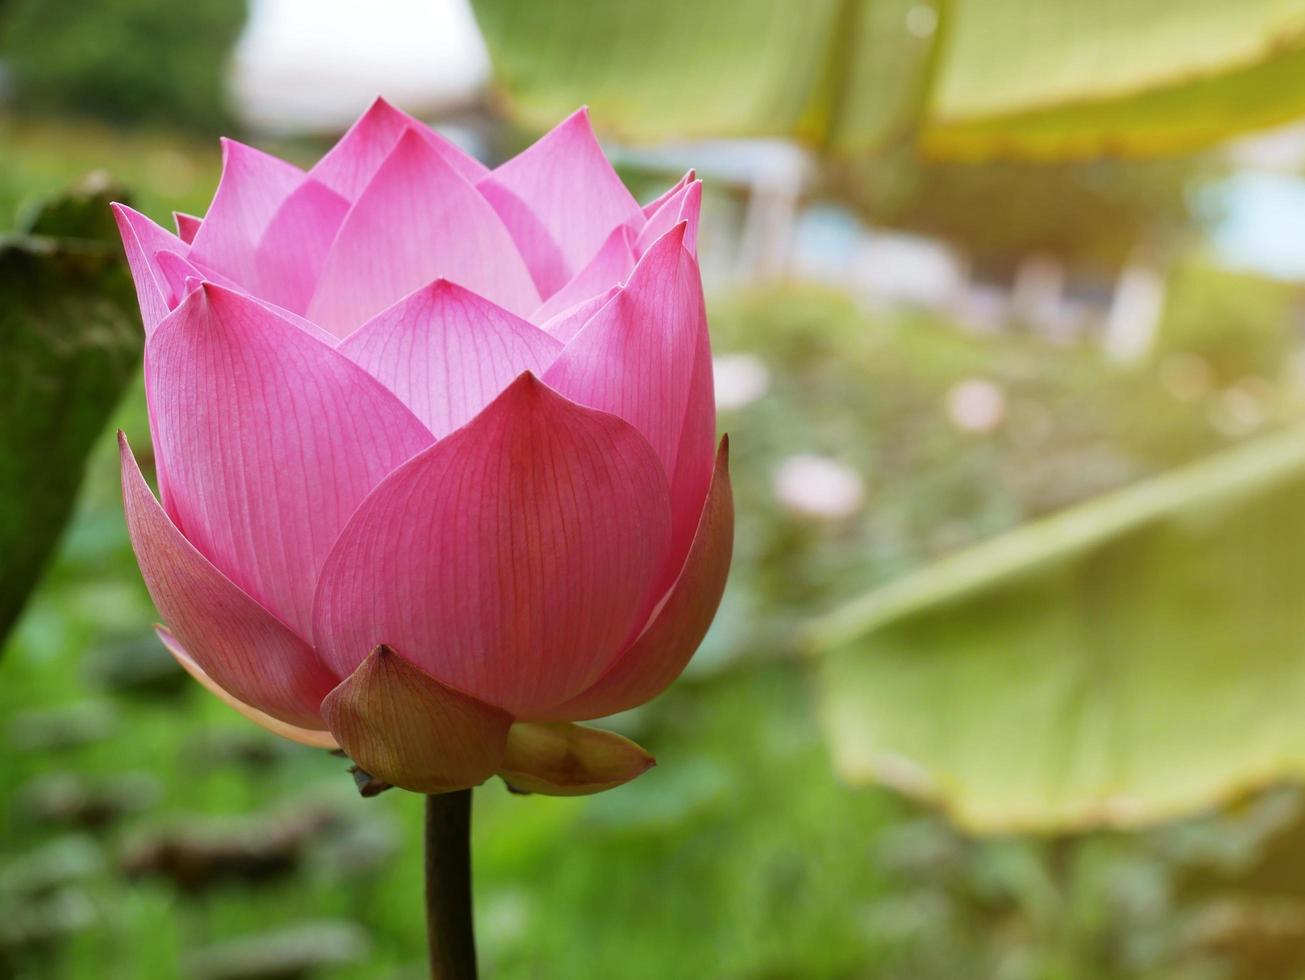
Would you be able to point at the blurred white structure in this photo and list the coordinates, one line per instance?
(1134, 319)
(818, 487)
(902, 268)
(976, 405)
(830, 245)
(312, 66)
(1280, 150)
(740, 379)
(1037, 291)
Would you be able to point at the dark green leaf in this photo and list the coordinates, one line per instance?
(70, 339)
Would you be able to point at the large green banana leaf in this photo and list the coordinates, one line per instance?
(973, 78)
(1135, 658)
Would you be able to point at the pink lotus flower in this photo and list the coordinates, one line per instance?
(436, 451)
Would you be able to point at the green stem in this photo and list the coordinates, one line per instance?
(449, 928)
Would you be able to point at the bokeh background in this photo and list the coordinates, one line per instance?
(1008, 303)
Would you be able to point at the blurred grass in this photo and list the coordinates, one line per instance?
(43, 157)
(166, 170)
(740, 855)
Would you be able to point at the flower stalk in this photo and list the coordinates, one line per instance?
(450, 931)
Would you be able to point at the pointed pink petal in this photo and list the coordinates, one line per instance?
(418, 220)
(653, 206)
(271, 439)
(141, 240)
(543, 256)
(181, 277)
(238, 643)
(509, 560)
(685, 205)
(665, 646)
(187, 225)
(637, 356)
(560, 198)
(611, 266)
(293, 249)
(176, 270)
(569, 760)
(304, 324)
(695, 457)
(350, 165)
(447, 353)
(254, 185)
(144, 241)
(313, 737)
(404, 727)
(570, 322)
(176, 275)
(455, 156)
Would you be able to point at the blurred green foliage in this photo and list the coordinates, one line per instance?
(872, 390)
(1205, 301)
(1056, 79)
(132, 61)
(43, 156)
(1042, 79)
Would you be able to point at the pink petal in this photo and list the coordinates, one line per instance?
(418, 220)
(569, 322)
(447, 353)
(313, 737)
(177, 276)
(181, 277)
(610, 267)
(155, 259)
(637, 358)
(653, 206)
(560, 198)
(293, 249)
(235, 641)
(543, 256)
(510, 559)
(665, 646)
(404, 727)
(141, 240)
(303, 323)
(187, 225)
(350, 165)
(176, 270)
(685, 205)
(253, 187)
(695, 458)
(271, 439)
